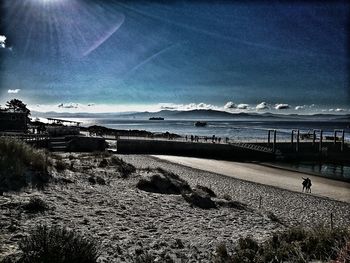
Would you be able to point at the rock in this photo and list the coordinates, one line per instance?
(163, 183)
(206, 190)
(199, 199)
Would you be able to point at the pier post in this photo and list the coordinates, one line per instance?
(292, 138)
(335, 137)
(342, 141)
(313, 137)
(274, 141)
(298, 135)
(320, 145)
(268, 137)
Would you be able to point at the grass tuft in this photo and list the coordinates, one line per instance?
(57, 245)
(35, 205)
(18, 158)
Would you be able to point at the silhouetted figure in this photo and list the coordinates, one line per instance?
(219, 139)
(307, 185)
(186, 137)
(191, 138)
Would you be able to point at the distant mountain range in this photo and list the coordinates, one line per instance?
(195, 115)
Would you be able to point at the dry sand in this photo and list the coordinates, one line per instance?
(126, 221)
(285, 179)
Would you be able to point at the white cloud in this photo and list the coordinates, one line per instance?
(13, 91)
(262, 106)
(282, 106)
(339, 110)
(300, 107)
(68, 106)
(230, 105)
(2, 41)
(242, 106)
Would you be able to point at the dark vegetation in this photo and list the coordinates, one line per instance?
(57, 245)
(163, 182)
(35, 205)
(125, 169)
(60, 165)
(294, 245)
(19, 161)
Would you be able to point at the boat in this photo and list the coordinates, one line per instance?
(156, 119)
(200, 124)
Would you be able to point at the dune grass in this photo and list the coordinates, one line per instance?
(293, 245)
(17, 158)
(57, 245)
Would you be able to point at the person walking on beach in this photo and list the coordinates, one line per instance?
(309, 184)
(306, 184)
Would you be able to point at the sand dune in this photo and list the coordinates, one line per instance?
(267, 175)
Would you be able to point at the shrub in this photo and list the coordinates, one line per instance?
(206, 190)
(35, 205)
(199, 199)
(57, 245)
(294, 245)
(125, 169)
(221, 254)
(163, 183)
(61, 165)
(103, 163)
(17, 158)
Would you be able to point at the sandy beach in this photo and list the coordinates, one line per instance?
(125, 220)
(278, 177)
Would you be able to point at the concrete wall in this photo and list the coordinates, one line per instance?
(204, 150)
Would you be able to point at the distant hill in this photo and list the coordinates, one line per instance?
(201, 114)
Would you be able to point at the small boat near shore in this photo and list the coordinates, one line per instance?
(200, 124)
(156, 119)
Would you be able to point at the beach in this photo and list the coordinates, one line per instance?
(268, 175)
(125, 220)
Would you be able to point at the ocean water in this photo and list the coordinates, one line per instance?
(253, 130)
(236, 130)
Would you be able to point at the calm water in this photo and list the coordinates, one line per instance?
(238, 130)
(339, 172)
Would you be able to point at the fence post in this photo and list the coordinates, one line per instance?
(331, 221)
(260, 201)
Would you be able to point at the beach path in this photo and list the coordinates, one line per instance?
(278, 177)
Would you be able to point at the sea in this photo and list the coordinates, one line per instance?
(240, 130)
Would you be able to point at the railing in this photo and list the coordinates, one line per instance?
(26, 137)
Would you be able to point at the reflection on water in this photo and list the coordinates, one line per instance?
(333, 171)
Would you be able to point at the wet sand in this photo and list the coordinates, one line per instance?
(278, 177)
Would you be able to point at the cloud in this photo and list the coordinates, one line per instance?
(262, 106)
(339, 110)
(13, 91)
(282, 106)
(300, 107)
(2, 41)
(68, 106)
(230, 105)
(242, 106)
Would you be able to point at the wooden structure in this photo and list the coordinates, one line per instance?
(13, 121)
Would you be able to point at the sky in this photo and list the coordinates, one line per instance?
(105, 56)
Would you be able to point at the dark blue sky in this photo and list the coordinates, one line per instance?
(147, 52)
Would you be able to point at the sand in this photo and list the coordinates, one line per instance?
(125, 221)
(281, 178)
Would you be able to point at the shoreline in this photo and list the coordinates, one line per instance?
(267, 175)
